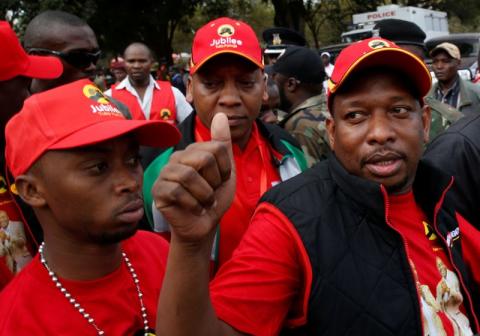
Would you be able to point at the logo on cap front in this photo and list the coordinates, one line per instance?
(226, 30)
(94, 93)
(377, 44)
(103, 107)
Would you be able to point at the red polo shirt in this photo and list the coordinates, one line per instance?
(256, 173)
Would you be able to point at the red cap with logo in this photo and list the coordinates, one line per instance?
(14, 61)
(225, 35)
(373, 53)
(70, 116)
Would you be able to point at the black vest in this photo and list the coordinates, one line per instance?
(362, 281)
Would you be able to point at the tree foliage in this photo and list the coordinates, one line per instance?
(167, 25)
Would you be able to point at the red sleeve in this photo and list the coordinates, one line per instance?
(470, 238)
(266, 283)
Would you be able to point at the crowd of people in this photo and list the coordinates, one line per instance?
(274, 193)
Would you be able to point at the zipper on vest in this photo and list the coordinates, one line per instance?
(405, 244)
(449, 252)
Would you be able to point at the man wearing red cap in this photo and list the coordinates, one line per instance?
(17, 69)
(364, 243)
(94, 273)
(227, 76)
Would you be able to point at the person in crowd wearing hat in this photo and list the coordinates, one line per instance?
(226, 75)
(277, 39)
(450, 88)
(411, 37)
(145, 97)
(299, 75)
(333, 250)
(72, 41)
(16, 72)
(328, 66)
(95, 274)
(118, 69)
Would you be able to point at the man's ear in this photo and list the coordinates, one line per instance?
(426, 121)
(265, 90)
(330, 124)
(292, 84)
(189, 95)
(30, 190)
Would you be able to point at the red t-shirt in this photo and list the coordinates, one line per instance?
(32, 305)
(437, 283)
(266, 284)
(256, 173)
(16, 241)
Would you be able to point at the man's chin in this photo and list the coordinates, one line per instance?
(114, 236)
(398, 188)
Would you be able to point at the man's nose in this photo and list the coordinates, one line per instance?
(229, 95)
(381, 129)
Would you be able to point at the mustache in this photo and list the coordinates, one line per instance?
(382, 154)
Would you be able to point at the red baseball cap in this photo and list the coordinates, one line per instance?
(14, 61)
(225, 35)
(74, 115)
(373, 53)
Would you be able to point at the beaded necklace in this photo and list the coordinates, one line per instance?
(81, 310)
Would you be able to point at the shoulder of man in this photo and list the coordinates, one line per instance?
(443, 115)
(317, 177)
(473, 88)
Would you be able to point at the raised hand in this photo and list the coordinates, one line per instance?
(197, 186)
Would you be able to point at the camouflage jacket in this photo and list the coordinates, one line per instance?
(443, 115)
(306, 123)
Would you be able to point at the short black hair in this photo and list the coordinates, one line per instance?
(44, 21)
(140, 44)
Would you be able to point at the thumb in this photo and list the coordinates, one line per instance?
(220, 131)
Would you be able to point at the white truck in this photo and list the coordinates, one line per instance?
(433, 23)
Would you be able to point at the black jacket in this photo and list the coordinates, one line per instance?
(457, 152)
(362, 282)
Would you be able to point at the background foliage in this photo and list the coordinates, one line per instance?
(168, 25)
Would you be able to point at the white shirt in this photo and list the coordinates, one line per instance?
(328, 70)
(181, 105)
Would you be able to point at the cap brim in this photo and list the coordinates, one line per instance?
(43, 67)
(153, 133)
(197, 66)
(394, 58)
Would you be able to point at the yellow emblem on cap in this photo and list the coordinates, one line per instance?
(377, 44)
(225, 30)
(94, 93)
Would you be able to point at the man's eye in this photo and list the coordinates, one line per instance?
(247, 83)
(134, 161)
(401, 110)
(210, 84)
(352, 115)
(98, 168)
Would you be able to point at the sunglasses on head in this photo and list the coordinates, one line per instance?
(80, 59)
